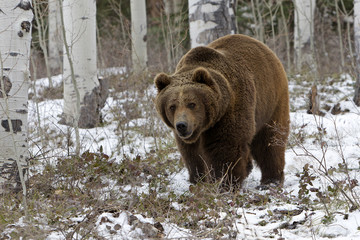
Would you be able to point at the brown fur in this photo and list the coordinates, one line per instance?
(226, 102)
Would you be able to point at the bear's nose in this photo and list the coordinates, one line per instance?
(181, 127)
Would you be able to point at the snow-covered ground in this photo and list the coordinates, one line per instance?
(323, 153)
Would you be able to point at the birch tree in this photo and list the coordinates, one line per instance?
(258, 20)
(284, 25)
(138, 35)
(172, 6)
(172, 29)
(15, 40)
(210, 19)
(357, 49)
(55, 43)
(304, 32)
(40, 26)
(84, 95)
(304, 47)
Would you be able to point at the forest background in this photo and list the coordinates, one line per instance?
(333, 27)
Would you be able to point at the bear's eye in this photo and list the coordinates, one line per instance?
(191, 105)
(172, 108)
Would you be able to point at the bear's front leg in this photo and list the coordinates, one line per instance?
(192, 159)
(228, 162)
(196, 172)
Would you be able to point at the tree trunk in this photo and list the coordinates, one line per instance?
(15, 40)
(261, 27)
(173, 7)
(304, 32)
(173, 30)
(357, 49)
(81, 84)
(138, 35)
(286, 36)
(55, 38)
(339, 26)
(41, 32)
(210, 19)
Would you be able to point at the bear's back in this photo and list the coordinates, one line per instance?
(247, 53)
(253, 61)
(236, 57)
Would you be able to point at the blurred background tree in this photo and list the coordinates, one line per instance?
(357, 49)
(210, 20)
(271, 21)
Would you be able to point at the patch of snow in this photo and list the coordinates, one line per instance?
(179, 182)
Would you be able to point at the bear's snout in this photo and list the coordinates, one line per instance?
(182, 128)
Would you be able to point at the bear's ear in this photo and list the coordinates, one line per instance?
(201, 75)
(161, 81)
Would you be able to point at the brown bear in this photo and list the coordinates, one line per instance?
(227, 103)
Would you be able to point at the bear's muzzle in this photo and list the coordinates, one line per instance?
(182, 129)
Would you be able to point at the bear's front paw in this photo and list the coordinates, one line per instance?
(267, 186)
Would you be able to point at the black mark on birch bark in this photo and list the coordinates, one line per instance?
(5, 85)
(25, 5)
(13, 54)
(90, 113)
(9, 171)
(16, 125)
(26, 25)
(93, 102)
(22, 111)
(20, 34)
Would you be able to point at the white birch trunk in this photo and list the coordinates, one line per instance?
(357, 49)
(80, 31)
(138, 35)
(210, 19)
(15, 39)
(55, 37)
(303, 31)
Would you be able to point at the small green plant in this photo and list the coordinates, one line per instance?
(306, 184)
(327, 219)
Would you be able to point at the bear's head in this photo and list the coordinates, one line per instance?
(189, 102)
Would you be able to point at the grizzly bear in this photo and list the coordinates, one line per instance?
(228, 103)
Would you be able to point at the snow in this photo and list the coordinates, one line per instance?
(179, 182)
(327, 142)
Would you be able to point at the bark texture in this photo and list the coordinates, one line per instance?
(173, 7)
(55, 37)
(138, 35)
(304, 32)
(80, 31)
(94, 101)
(210, 20)
(15, 40)
(357, 49)
(174, 31)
